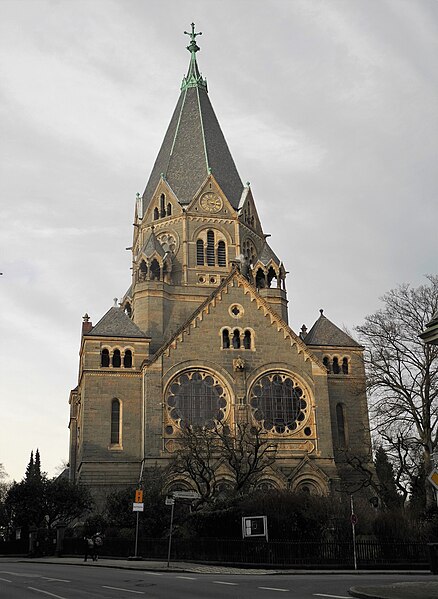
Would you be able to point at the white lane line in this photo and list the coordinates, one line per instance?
(153, 573)
(273, 589)
(125, 590)
(335, 596)
(234, 584)
(186, 577)
(46, 593)
(55, 579)
(5, 580)
(20, 575)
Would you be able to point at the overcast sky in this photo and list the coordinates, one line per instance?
(329, 108)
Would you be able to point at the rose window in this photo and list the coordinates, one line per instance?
(279, 403)
(196, 398)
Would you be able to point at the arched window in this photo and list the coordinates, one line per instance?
(155, 270)
(225, 339)
(156, 214)
(271, 275)
(115, 422)
(169, 209)
(221, 254)
(104, 358)
(260, 279)
(326, 363)
(340, 420)
(345, 365)
(210, 248)
(200, 252)
(127, 359)
(117, 360)
(247, 340)
(143, 271)
(236, 339)
(162, 205)
(336, 369)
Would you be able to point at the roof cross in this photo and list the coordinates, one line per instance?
(193, 47)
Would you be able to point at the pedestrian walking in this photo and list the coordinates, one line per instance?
(89, 548)
(98, 542)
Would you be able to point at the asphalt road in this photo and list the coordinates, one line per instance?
(37, 580)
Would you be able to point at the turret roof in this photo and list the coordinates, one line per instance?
(324, 332)
(115, 323)
(194, 145)
(153, 245)
(267, 254)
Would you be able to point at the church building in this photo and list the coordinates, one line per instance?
(201, 336)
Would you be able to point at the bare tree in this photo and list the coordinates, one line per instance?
(402, 377)
(245, 453)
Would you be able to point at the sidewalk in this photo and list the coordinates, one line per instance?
(404, 590)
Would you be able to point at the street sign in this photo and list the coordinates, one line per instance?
(138, 507)
(255, 526)
(138, 496)
(186, 495)
(433, 478)
(169, 501)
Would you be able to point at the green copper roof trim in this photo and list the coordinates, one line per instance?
(193, 77)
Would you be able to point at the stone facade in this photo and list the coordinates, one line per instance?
(202, 333)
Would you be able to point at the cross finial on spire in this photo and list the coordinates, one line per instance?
(193, 46)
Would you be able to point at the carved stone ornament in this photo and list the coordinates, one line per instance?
(238, 364)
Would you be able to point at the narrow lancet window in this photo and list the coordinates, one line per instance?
(115, 422)
(127, 359)
(236, 339)
(225, 339)
(210, 248)
(105, 358)
(200, 252)
(221, 254)
(345, 365)
(169, 209)
(336, 369)
(340, 419)
(247, 340)
(117, 359)
(162, 205)
(156, 214)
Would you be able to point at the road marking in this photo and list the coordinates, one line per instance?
(186, 577)
(234, 584)
(5, 580)
(154, 573)
(55, 579)
(46, 593)
(335, 596)
(273, 589)
(125, 590)
(21, 575)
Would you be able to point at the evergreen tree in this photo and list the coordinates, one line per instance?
(387, 484)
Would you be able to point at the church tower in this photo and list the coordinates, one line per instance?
(202, 335)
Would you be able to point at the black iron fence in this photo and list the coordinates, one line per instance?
(293, 554)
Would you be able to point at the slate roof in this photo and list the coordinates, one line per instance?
(267, 254)
(152, 245)
(115, 323)
(193, 147)
(324, 332)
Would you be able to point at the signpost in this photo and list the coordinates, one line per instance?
(137, 506)
(353, 520)
(255, 526)
(171, 501)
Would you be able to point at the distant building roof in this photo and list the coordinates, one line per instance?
(115, 323)
(430, 333)
(324, 332)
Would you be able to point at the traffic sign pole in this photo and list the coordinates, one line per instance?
(170, 534)
(353, 519)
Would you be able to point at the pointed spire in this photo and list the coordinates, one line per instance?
(193, 77)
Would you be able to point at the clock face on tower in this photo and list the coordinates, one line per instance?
(211, 202)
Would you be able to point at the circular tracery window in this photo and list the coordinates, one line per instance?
(279, 403)
(196, 398)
